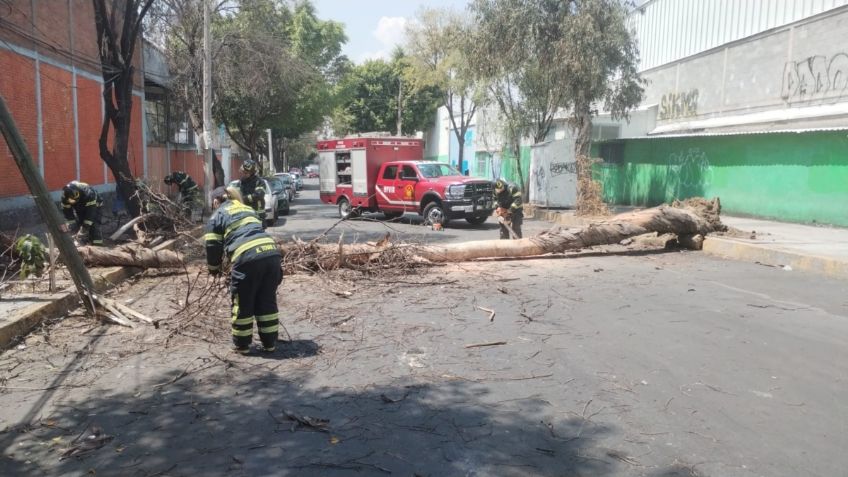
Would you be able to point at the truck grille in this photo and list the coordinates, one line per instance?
(478, 189)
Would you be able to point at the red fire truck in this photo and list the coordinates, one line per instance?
(387, 175)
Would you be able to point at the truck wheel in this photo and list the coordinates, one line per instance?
(434, 214)
(346, 211)
(476, 220)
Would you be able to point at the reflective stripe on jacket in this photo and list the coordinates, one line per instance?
(235, 229)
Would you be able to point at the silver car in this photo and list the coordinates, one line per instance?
(288, 182)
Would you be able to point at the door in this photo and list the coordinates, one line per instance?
(405, 187)
(359, 169)
(386, 194)
(327, 172)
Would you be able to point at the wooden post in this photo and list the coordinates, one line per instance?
(52, 274)
(48, 210)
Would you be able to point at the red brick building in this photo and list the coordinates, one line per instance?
(50, 78)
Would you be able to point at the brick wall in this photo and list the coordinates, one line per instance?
(89, 114)
(53, 43)
(57, 113)
(18, 90)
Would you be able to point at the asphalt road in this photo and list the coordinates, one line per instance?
(310, 217)
(652, 364)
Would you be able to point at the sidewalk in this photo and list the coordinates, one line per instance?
(20, 313)
(821, 250)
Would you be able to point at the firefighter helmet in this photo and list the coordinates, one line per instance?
(168, 179)
(72, 192)
(249, 166)
(500, 186)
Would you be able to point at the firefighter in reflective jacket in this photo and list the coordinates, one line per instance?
(255, 262)
(509, 207)
(81, 206)
(188, 188)
(252, 188)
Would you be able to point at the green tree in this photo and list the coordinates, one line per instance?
(370, 94)
(599, 59)
(258, 78)
(542, 56)
(514, 57)
(437, 42)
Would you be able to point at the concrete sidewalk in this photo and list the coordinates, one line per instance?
(816, 249)
(822, 250)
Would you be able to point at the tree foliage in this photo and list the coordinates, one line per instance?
(118, 26)
(368, 99)
(275, 64)
(539, 57)
(437, 42)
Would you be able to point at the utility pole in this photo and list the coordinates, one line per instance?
(46, 207)
(209, 178)
(272, 168)
(400, 107)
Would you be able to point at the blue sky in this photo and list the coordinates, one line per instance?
(374, 27)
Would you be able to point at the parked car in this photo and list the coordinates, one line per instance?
(288, 183)
(311, 175)
(276, 202)
(298, 180)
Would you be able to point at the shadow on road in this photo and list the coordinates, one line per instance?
(235, 416)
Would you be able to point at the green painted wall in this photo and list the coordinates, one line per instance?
(796, 177)
(508, 171)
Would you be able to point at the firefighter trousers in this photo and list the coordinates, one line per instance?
(95, 234)
(254, 292)
(516, 219)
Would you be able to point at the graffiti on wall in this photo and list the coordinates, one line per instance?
(679, 105)
(692, 170)
(815, 75)
(560, 168)
(539, 178)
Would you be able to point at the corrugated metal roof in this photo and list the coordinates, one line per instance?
(742, 133)
(669, 30)
(833, 115)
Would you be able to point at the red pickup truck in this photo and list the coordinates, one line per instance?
(387, 175)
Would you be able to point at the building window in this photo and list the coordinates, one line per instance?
(181, 130)
(156, 112)
(612, 152)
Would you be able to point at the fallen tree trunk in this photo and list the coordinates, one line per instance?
(130, 255)
(690, 220)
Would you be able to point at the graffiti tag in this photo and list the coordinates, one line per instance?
(815, 75)
(679, 105)
(693, 169)
(560, 168)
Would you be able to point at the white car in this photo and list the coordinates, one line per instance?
(276, 204)
(298, 180)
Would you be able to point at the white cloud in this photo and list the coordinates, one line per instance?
(390, 33)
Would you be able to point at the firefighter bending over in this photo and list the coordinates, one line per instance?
(509, 210)
(256, 271)
(81, 206)
(252, 189)
(188, 188)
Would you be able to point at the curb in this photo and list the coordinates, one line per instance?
(26, 319)
(726, 248)
(736, 250)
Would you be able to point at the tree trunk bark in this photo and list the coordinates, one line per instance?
(130, 255)
(694, 217)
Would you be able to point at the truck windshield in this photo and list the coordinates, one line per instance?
(437, 170)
